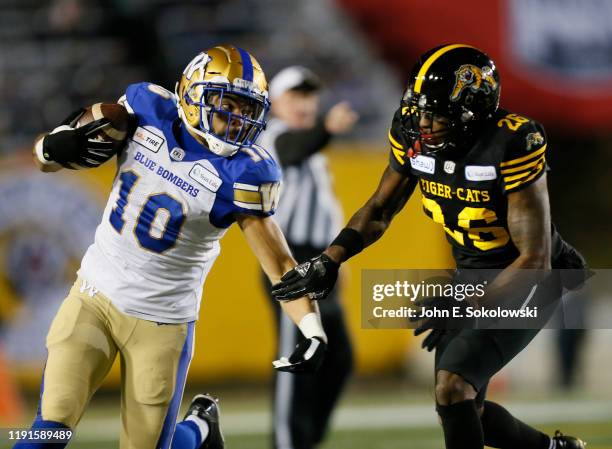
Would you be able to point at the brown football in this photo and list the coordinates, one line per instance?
(117, 115)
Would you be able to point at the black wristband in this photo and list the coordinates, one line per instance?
(351, 240)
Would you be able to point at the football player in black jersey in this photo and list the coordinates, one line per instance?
(482, 173)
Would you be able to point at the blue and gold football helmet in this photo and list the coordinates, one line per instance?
(223, 71)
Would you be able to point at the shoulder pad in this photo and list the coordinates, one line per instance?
(398, 155)
(524, 158)
(150, 101)
(259, 165)
(257, 186)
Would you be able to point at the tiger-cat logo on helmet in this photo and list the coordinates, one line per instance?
(469, 76)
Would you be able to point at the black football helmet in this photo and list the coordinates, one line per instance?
(456, 85)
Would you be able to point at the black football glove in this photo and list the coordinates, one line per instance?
(306, 358)
(433, 338)
(314, 278)
(438, 325)
(434, 302)
(78, 147)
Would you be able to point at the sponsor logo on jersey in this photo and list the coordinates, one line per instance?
(205, 177)
(480, 172)
(449, 167)
(423, 163)
(177, 154)
(148, 139)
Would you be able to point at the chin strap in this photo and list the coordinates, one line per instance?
(415, 150)
(219, 147)
(213, 143)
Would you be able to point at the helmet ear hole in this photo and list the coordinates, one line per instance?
(192, 114)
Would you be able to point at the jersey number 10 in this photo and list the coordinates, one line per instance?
(152, 207)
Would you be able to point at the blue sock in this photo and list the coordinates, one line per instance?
(186, 436)
(41, 444)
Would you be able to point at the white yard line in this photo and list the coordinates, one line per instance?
(378, 417)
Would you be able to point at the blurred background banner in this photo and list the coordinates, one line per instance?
(555, 57)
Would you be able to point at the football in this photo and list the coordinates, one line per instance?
(115, 132)
(117, 115)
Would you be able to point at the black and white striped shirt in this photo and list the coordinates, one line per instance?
(308, 211)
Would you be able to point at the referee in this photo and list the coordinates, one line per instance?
(310, 218)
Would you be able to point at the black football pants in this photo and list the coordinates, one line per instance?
(476, 355)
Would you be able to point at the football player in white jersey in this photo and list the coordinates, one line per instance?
(187, 169)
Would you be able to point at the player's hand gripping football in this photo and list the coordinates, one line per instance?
(314, 279)
(306, 358)
(78, 147)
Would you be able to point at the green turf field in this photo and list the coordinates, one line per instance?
(598, 435)
(369, 419)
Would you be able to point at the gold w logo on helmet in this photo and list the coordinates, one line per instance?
(469, 76)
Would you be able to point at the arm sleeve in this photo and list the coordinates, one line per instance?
(257, 190)
(524, 159)
(398, 158)
(292, 147)
(254, 191)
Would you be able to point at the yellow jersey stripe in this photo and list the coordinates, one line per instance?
(394, 142)
(399, 155)
(245, 196)
(524, 158)
(427, 64)
(523, 167)
(525, 173)
(507, 179)
(523, 181)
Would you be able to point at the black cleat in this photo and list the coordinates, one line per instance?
(563, 442)
(206, 407)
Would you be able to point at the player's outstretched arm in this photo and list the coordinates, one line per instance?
(270, 247)
(86, 138)
(318, 276)
(374, 217)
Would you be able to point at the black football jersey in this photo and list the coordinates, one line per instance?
(466, 191)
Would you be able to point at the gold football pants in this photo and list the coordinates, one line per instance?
(85, 337)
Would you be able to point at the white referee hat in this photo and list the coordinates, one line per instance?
(294, 77)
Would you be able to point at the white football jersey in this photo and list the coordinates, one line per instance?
(172, 201)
